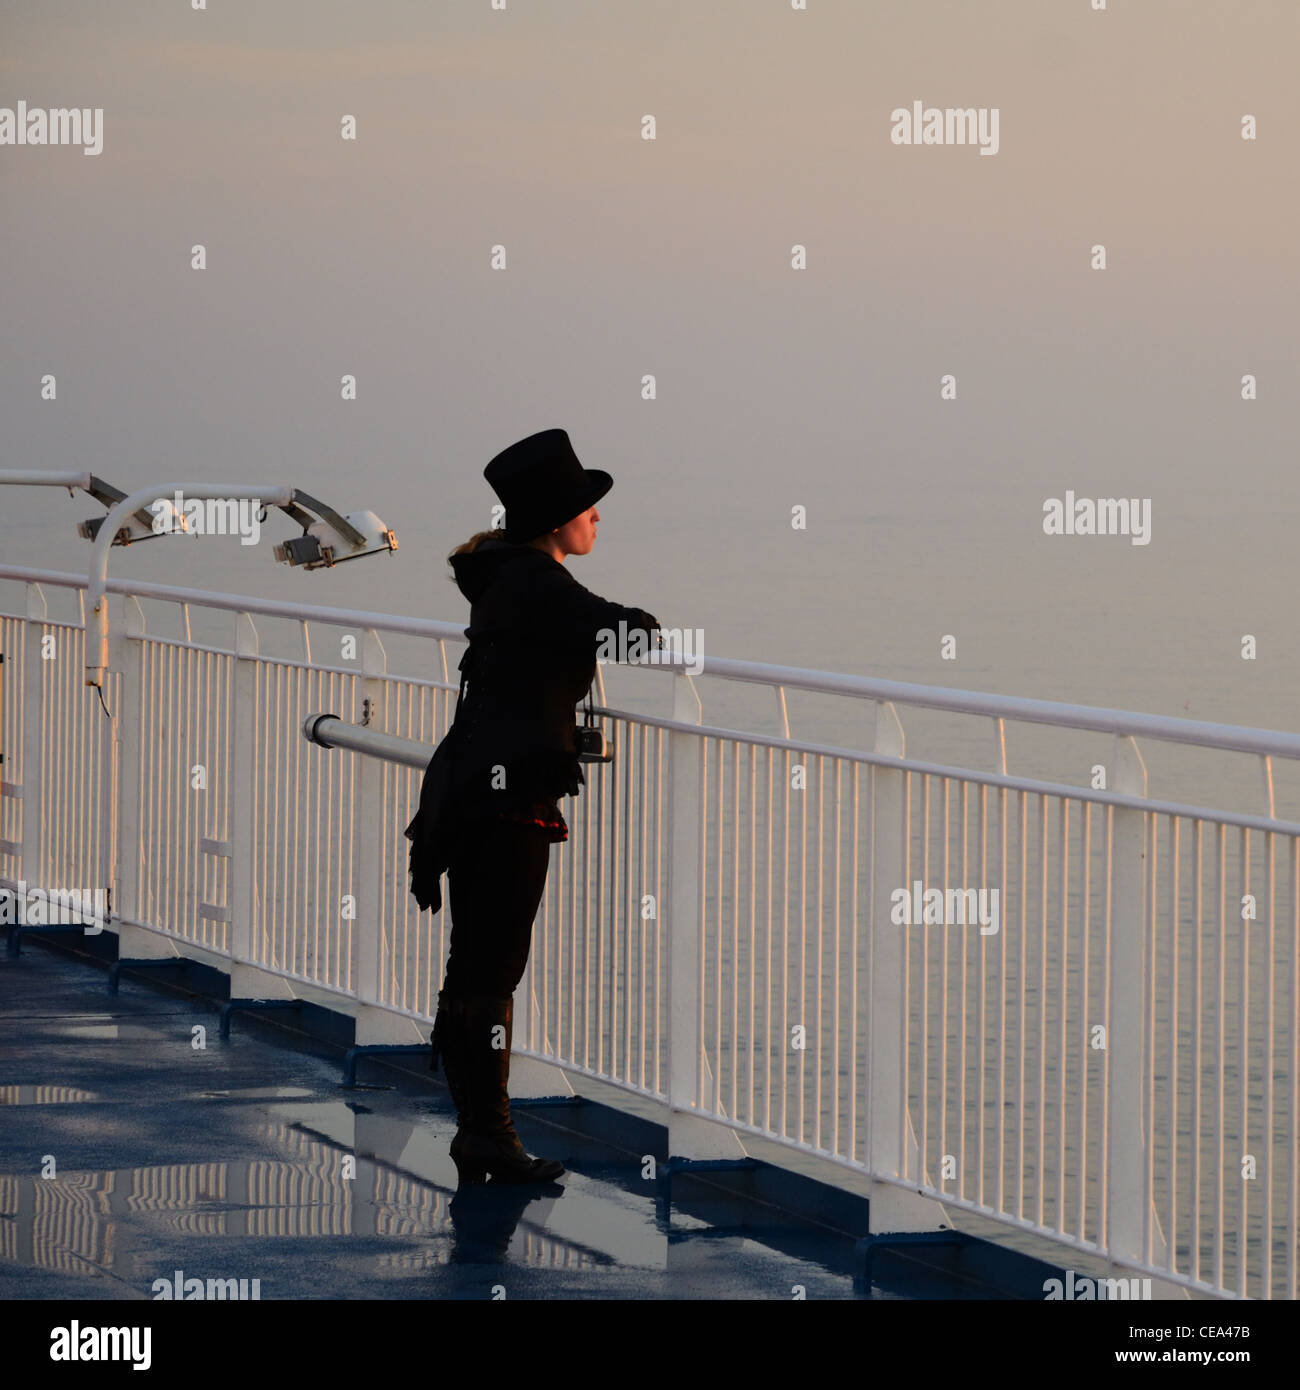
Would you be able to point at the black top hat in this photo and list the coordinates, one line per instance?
(542, 484)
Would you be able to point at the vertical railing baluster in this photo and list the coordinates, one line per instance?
(1198, 1009)
(753, 923)
(1221, 885)
(35, 714)
(1175, 908)
(1128, 1198)
(246, 771)
(1000, 766)
(688, 1135)
(368, 931)
(126, 654)
(1293, 1099)
(887, 1095)
(920, 932)
(1243, 1072)
(684, 891)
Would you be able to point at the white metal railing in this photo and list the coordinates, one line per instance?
(1116, 1067)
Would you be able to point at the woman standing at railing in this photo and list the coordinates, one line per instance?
(488, 806)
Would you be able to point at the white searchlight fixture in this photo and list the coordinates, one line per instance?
(162, 519)
(333, 538)
(139, 525)
(327, 539)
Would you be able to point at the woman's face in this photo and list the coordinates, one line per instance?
(576, 537)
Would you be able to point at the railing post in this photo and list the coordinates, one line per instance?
(1127, 1066)
(364, 888)
(246, 981)
(689, 1136)
(892, 1151)
(109, 800)
(127, 656)
(34, 712)
(887, 1100)
(373, 1025)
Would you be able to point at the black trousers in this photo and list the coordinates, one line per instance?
(495, 883)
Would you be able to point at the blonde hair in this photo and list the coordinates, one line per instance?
(468, 547)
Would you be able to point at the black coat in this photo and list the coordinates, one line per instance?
(533, 636)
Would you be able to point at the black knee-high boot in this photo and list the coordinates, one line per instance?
(476, 1044)
(443, 1044)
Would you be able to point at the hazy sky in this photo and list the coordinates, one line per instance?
(776, 387)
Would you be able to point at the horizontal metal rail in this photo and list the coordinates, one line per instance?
(1122, 723)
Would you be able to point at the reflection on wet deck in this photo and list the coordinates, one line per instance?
(85, 1221)
(43, 1095)
(129, 1157)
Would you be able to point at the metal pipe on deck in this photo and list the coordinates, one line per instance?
(329, 731)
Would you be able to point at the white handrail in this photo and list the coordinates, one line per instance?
(1098, 719)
